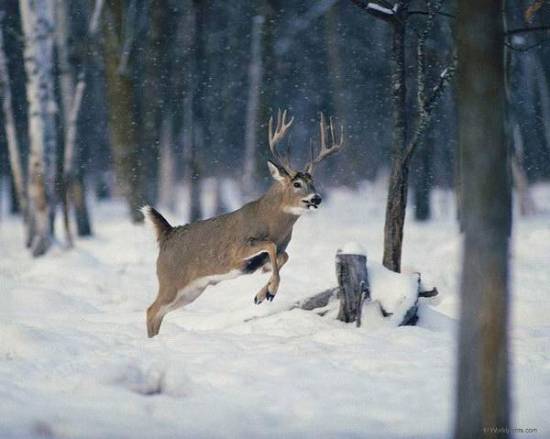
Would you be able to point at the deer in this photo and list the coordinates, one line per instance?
(193, 256)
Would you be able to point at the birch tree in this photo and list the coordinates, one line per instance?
(38, 22)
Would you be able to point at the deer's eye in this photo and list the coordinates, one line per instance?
(297, 184)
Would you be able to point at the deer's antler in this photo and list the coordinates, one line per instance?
(276, 136)
(325, 150)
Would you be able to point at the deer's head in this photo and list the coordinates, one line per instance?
(298, 190)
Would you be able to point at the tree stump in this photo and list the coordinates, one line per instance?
(396, 299)
(353, 282)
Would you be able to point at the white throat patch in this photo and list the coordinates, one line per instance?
(294, 210)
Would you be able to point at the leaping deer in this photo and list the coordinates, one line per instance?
(194, 256)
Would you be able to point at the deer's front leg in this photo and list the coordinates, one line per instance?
(281, 261)
(270, 289)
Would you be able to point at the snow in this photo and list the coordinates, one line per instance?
(75, 360)
(353, 248)
(382, 9)
(397, 293)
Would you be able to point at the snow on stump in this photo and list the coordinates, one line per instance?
(368, 293)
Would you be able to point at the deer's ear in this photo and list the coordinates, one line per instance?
(277, 172)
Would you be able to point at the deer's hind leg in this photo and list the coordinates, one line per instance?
(158, 309)
(169, 300)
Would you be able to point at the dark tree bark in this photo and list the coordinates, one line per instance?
(483, 382)
(73, 188)
(353, 282)
(423, 180)
(78, 196)
(153, 93)
(193, 135)
(14, 150)
(121, 103)
(398, 186)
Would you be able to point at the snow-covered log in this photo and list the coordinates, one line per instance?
(38, 26)
(368, 293)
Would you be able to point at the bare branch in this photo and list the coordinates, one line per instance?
(443, 14)
(427, 108)
(526, 30)
(70, 136)
(96, 15)
(526, 48)
(532, 9)
(380, 9)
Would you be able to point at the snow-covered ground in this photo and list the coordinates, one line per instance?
(75, 361)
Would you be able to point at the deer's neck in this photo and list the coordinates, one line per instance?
(272, 205)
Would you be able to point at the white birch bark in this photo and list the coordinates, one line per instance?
(253, 104)
(38, 22)
(66, 81)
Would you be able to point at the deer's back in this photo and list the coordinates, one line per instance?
(203, 248)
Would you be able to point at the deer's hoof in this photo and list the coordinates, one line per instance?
(257, 300)
(269, 296)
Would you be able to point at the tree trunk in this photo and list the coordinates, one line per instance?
(395, 215)
(167, 166)
(78, 197)
(153, 94)
(253, 105)
(14, 204)
(38, 26)
(14, 152)
(120, 97)
(194, 184)
(219, 203)
(70, 125)
(353, 282)
(397, 193)
(192, 133)
(483, 392)
(71, 98)
(527, 205)
(66, 84)
(423, 180)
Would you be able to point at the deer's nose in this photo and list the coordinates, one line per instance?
(316, 199)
